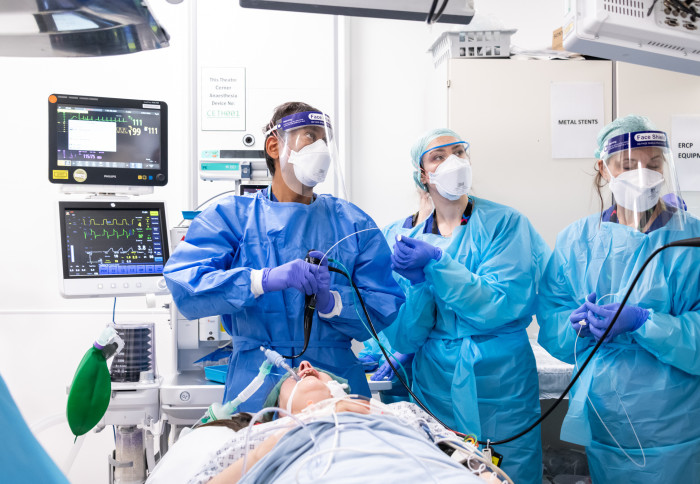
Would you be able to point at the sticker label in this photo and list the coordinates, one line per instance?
(80, 175)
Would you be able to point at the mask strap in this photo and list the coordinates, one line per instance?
(274, 128)
(291, 397)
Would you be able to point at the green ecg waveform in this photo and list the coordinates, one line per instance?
(113, 221)
(114, 233)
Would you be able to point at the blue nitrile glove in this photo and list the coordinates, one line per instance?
(386, 373)
(297, 274)
(325, 302)
(599, 318)
(581, 314)
(413, 253)
(416, 276)
(368, 363)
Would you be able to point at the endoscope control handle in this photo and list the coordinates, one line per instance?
(310, 302)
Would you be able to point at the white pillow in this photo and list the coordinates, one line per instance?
(184, 459)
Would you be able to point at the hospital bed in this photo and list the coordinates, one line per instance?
(554, 375)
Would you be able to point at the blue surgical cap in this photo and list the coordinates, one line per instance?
(421, 145)
(626, 124)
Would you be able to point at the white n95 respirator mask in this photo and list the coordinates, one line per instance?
(311, 163)
(453, 178)
(637, 190)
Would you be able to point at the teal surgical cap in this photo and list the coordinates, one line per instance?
(421, 145)
(626, 124)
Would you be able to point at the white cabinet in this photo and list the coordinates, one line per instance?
(502, 107)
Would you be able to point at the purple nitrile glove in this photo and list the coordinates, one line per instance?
(296, 274)
(386, 373)
(368, 363)
(416, 276)
(630, 319)
(412, 253)
(581, 315)
(325, 302)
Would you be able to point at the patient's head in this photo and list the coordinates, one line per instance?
(315, 385)
(312, 388)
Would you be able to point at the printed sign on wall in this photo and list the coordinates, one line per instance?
(577, 110)
(685, 145)
(223, 99)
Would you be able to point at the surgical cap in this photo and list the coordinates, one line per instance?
(626, 124)
(421, 145)
(274, 395)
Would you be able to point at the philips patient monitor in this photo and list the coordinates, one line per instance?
(113, 248)
(107, 141)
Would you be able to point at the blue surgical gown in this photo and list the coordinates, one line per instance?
(646, 381)
(474, 366)
(209, 274)
(22, 458)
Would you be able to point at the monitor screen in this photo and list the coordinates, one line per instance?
(246, 189)
(106, 141)
(113, 248)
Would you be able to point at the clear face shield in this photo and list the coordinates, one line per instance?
(641, 175)
(448, 168)
(308, 154)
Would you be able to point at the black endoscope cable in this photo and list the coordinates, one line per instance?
(388, 359)
(692, 242)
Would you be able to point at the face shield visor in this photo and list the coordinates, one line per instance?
(641, 175)
(448, 169)
(308, 154)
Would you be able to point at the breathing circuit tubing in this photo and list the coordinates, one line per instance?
(691, 242)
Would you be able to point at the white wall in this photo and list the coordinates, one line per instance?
(390, 100)
(395, 96)
(42, 336)
(287, 56)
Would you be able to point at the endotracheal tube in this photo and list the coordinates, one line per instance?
(278, 360)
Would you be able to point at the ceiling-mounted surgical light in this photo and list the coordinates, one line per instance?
(78, 28)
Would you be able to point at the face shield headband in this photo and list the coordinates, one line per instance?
(466, 147)
(630, 141)
(299, 120)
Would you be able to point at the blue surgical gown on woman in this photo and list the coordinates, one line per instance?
(645, 382)
(473, 366)
(209, 274)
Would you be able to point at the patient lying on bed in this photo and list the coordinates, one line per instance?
(334, 438)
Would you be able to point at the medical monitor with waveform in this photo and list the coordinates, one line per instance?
(113, 248)
(107, 141)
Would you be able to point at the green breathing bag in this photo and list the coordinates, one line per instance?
(91, 389)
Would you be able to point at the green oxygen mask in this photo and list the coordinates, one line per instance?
(91, 389)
